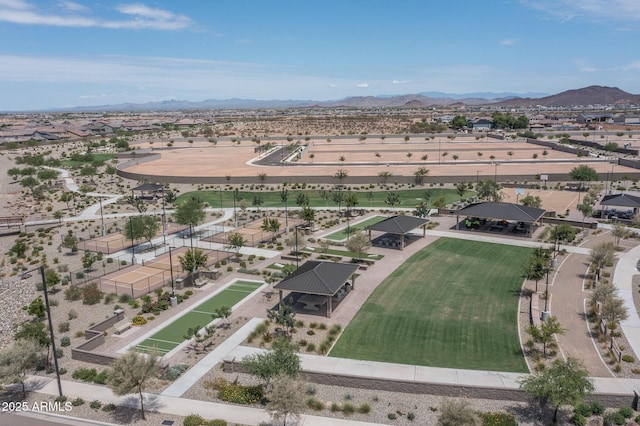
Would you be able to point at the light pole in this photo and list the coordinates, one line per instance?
(220, 190)
(191, 235)
(173, 299)
(164, 220)
(235, 216)
(51, 336)
(545, 313)
(102, 217)
(133, 247)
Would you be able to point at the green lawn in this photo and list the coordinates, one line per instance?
(453, 304)
(172, 335)
(409, 198)
(342, 233)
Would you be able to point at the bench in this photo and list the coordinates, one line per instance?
(122, 325)
(200, 282)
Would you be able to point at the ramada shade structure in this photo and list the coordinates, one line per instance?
(621, 200)
(503, 211)
(320, 279)
(398, 225)
(147, 187)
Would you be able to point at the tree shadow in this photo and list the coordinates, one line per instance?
(129, 412)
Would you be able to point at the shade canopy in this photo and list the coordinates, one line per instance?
(398, 224)
(621, 200)
(148, 187)
(506, 211)
(316, 277)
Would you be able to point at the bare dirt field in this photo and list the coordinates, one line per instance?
(473, 159)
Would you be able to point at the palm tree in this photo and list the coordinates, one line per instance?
(420, 174)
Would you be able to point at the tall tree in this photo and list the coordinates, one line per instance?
(235, 242)
(614, 312)
(191, 211)
(302, 199)
(359, 244)
(546, 332)
(601, 255)
(586, 209)
(393, 199)
(284, 197)
(384, 177)
(192, 260)
(583, 173)
(138, 227)
(132, 372)
(282, 359)
(17, 360)
(564, 383)
(531, 201)
(619, 232)
(420, 174)
(286, 396)
(341, 175)
(284, 316)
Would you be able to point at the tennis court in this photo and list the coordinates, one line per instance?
(116, 241)
(201, 315)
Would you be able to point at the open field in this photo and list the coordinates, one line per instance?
(474, 158)
(375, 197)
(453, 304)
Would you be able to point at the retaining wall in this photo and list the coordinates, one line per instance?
(94, 338)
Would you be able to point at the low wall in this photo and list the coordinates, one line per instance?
(576, 223)
(442, 389)
(94, 338)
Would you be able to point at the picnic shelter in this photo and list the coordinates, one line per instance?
(397, 226)
(497, 216)
(321, 284)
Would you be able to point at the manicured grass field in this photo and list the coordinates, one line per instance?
(453, 304)
(342, 233)
(409, 198)
(172, 335)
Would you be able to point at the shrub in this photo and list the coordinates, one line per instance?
(175, 371)
(579, 420)
(613, 418)
(627, 412)
(392, 416)
(311, 347)
(364, 408)
(91, 294)
(311, 390)
(73, 293)
(412, 417)
(239, 394)
(138, 320)
(348, 408)
(71, 315)
(85, 374)
(109, 407)
(193, 420)
(335, 407)
(77, 402)
(496, 419)
(63, 327)
(124, 298)
(583, 409)
(65, 341)
(628, 358)
(95, 404)
(597, 408)
(315, 404)
(109, 298)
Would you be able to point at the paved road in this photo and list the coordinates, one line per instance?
(44, 419)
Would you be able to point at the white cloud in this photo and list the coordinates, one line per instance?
(508, 42)
(400, 81)
(72, 6)
(362, 85)
(143, 17)
(584, 65)
(593, 10)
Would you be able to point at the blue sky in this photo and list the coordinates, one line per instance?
(69, 53)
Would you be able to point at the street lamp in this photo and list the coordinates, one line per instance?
(173, 300)
(235, 216)
(545, 313)
(102, 217)
(133, 247)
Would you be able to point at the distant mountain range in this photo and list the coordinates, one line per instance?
(592, 95)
